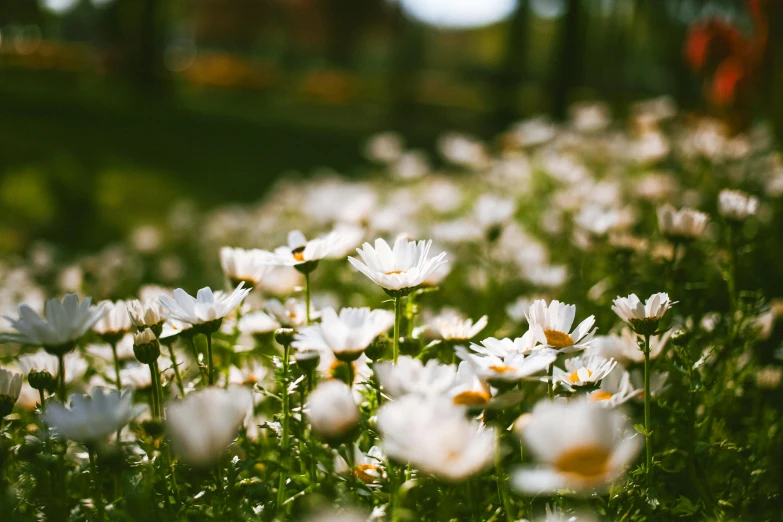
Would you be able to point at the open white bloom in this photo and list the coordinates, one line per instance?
(452, 327)
(624, 347)
(203, 424)
(492, 211)
(616, 389)
(685, 223)
(39, 361)
(257, 323)
(384, 147)
(206, 307)
(398, 269)
(551, 326)
(583, 371)
(736, 205)
(10, 388)
(503, 347)
(300, 251)
(643, 317)
(589, 455)
(145, 314)
(469, 390)
(410, 375)
(367, 467)
(332, 411)
(347, 335)
(92, 419)
(115, 321)
(292, 314)
(507, 369)
(239, 264)
(63, 323)
(434, 436)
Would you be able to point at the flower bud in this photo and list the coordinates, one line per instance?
(307, 360)
(146, 347)
(378, 348)
(41, 380)
(410, 346)
(285, 336)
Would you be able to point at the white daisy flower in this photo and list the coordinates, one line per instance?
(506, 346)
(62, 325)
(347, 335)
(682, 224)
(257, 323)
(10, 388)
(91, 419)
(452, 327)
(469, 390)
(400, 269)
(584, 370)
(736, 205)
(203, 424)
(367, 467)
(207, 307)
(643, 317)
(292, 314)
(616, 389)
(435, 437)
(115, 322)
(332, 410)
(624, 347)
(508, 369)
(239, 265)
(551, 326)
(411, 376)
(589, 455)
(145, 314)
(303, 254)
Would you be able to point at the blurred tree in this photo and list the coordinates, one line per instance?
(512, 68)
(345, 22)
(405, 68)
(567, 71)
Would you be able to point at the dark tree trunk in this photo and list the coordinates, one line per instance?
(569, 59)
(512, 69)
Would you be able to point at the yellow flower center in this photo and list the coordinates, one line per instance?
(471, 398)
(395, 272)
(600, 395)
(587, 462)
(557, 339)
(502, 368)
(367, 473)
(574, 377)
(298, 253)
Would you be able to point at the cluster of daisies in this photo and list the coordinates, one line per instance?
(458, 365)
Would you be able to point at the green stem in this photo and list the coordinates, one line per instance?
(731, 275)
(647, 422)
(210, 375)
(194, 349)
(118, 382)
(43, 398)
(410, 312)
(177, 375)
(307, 297)
(284, 442)
(397, 315)
(500, 477)
(550, 385)
(154, 399)
(61, 377)
(159, 387)
(96, 483)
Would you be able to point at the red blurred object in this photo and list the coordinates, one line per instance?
(730, 60)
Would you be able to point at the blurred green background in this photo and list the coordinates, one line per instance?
(111, 110)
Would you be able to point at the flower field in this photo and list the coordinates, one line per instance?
(572, 321)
